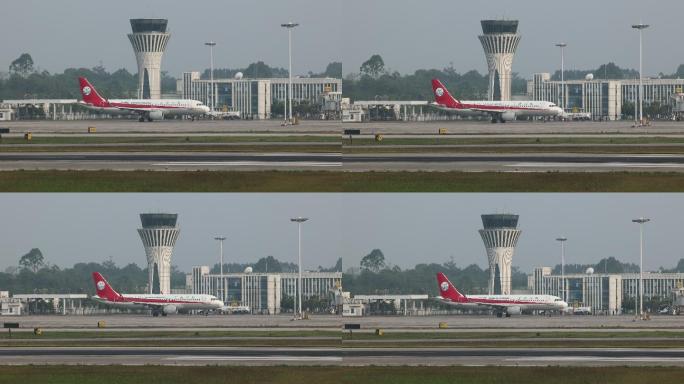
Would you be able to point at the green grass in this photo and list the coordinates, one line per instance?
(298, 148)
(522, 149)
(451, 140)
(142, 334)
(398, 335)
(154, 139)
(336, 375)
(331, 181)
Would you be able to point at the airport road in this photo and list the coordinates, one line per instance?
(467, 323)
(516, 128)
(455, 323)
(170, 126)
(342, 356)
(170, 161)
(177, 322)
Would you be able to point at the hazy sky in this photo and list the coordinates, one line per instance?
(83, 33)
(432, 33)
(423, 228)
(72, 228)
(409, 228)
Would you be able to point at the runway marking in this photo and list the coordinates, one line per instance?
(256, 358)
(595, 165)
(250, 163)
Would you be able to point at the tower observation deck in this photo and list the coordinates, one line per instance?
(500, 236)
(159, 233)
(149, 39)
(500, 41)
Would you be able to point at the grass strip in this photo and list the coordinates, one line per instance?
(336, 375)
(335, 181)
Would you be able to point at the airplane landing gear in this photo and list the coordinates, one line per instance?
(141, 119)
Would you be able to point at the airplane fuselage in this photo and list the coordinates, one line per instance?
(180, 302)
(169, 107)
(513, 108)
(524, 302)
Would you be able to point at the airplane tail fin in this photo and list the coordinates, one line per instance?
(448, 291)
(90, 95)
(442, 95)
(104, 290)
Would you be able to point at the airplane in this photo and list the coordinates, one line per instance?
(147, 109)
(503, 305)
(159, 304)
(499, 111)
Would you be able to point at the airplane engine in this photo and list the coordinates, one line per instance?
(156, 115)
(508, 116)
(169, 309)
(513, 311)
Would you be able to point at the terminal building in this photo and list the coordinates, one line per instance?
(253, 98)
(605, 293)
(262, 292)
(602, 98)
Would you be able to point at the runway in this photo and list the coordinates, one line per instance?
(167, 160)
(532, 162)
(342, 356)
(361, 162)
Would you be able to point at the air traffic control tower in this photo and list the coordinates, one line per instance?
(500, 40)
(500, 236)
(159, 233)
(149, 39)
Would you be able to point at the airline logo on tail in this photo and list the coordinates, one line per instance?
(448, 291)
(104, 290)
(90, 95)
(443, 97)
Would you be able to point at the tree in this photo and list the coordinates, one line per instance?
(33, 260)
(23, 65)
(373, 261)
(268, 264)
(373, 67)
(334, 69)
(680, 72)
(286, 303)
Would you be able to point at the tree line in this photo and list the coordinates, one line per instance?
(376, 276)
(375, 81)
(34, 274)
(26, 81)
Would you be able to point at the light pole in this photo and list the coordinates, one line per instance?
(562, 47)
(562, 241)
(299, 221)
(220, 240)
(641, 221)
(641, 27)
(211, 46)
(289, 27)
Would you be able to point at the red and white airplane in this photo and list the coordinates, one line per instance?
(159, 304)
(147, 109)
(499, 111)
(503, 305)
